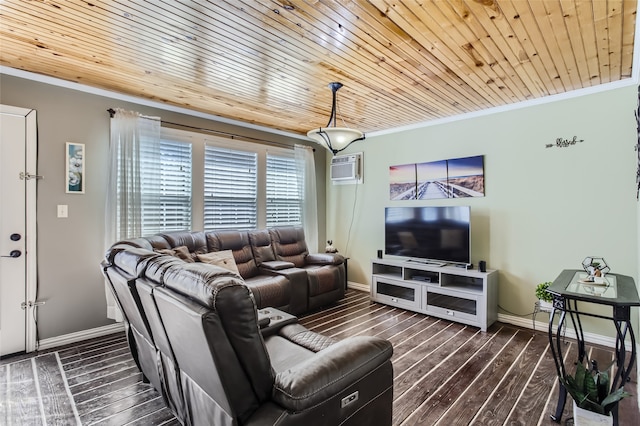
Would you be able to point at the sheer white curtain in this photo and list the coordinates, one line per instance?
(307, 184)
(123, 213)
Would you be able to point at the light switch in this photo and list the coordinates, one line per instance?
(63, 210)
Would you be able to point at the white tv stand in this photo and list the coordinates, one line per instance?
(463, 295)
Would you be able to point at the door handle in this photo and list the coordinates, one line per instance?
(14, 253)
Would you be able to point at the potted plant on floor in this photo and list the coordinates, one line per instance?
(592, 396)
(545, 299)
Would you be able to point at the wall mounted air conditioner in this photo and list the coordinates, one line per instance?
(346, 168)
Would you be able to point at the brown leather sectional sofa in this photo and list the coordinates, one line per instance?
(194, 330)
(275, 264)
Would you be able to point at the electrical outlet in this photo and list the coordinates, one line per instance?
(63, 210)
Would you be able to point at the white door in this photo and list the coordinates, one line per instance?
(18, 146)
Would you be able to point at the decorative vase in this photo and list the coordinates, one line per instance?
(545, 305)
(582, 417)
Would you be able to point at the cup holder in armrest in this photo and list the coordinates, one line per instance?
(271, 319)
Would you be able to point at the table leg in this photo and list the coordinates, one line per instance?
(556, 351)
(562, 400)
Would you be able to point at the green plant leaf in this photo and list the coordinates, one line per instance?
(590, 390)
(613, 398)
(602, 383)
(593, 406)
(574, 390)
(541, 291)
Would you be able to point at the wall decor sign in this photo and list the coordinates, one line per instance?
(454, 178)
(564, 143)
(75, 165)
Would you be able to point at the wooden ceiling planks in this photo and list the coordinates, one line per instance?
(628, 34)
(615, 28)
(426, 73)
(404, 92)
(268, 62)
(462, 66)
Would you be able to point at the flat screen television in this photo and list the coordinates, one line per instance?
(433, 234)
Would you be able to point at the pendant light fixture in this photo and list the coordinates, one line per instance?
(335, 138)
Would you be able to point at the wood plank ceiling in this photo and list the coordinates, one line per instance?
(269, 62)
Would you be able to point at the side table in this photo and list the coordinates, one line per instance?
(620, 293)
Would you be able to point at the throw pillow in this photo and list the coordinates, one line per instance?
(223, 258)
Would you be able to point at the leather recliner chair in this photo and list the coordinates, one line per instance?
(150, 347)
(279, 286)
(325, 273)
(232, 375)
(139, 336)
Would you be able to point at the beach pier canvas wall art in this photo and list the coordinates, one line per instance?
(453, 178)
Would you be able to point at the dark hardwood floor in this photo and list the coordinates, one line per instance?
(445, 373)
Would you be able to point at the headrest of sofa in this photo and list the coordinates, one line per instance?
(238, 243)
(199, 281)
(289, 245)
(159, 265)
(133, 261)
(195, 241)
(227, 240)
(126, 244)
(287, 235)
(261, 245)
(156, 242)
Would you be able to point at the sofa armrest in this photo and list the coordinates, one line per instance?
(299, 290)
(324, 259)
(277, 265)
(329, 372)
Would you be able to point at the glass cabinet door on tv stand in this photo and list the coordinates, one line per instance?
(458, 294)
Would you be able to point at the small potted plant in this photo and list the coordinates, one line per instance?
(592, 397)
(544, 298)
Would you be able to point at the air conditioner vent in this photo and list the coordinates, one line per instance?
(347, 168)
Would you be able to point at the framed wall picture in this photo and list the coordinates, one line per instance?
(75, 166)
(452, 178)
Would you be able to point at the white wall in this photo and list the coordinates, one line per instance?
(545, 209)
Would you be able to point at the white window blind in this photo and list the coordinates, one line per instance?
(230, 189)
(284, 194)
(165, 174)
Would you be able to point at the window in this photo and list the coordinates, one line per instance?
(232, 181)
(284, 192)
(230, 189)
(236, 185)
(165, 175)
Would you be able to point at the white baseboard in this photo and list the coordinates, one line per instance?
(78, 336)
(358, 286)
(543, 326)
